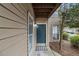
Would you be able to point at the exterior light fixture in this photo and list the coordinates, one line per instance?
(35, 25)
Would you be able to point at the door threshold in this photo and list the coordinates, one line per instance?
(41, 44)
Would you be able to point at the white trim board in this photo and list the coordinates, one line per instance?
(32, 18)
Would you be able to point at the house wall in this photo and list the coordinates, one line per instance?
(52, 21)
(13, 28)
(41, 20)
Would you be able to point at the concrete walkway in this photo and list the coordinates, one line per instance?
(43, 51)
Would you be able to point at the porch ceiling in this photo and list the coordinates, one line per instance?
(44, 10)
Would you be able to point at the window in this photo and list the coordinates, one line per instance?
(30, 32)
(55, 32)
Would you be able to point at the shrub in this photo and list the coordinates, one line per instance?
(75, 40)
(65, 36)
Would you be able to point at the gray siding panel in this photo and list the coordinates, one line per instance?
(13, 29)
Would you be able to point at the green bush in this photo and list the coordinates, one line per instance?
(65, 35)
(75, 40)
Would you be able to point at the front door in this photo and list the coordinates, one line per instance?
(41, 33)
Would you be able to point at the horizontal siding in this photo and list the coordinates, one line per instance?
(10, 32)
(8, 23)
(13, 9)
(19, 8)
(6, 13)
(14, 46)
(13, 28)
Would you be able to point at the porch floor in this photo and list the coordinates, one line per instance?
(43, 51)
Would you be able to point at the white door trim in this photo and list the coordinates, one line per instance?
(46, 35)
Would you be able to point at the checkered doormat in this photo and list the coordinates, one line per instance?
(41, 48)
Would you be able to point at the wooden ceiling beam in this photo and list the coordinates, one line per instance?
(42, 17)
(57, 5)
(42, 14)
(45, 16)
(43, 5)
(42, 10)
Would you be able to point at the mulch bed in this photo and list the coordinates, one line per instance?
(66, 48)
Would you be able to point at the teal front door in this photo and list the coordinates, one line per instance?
(41, 33)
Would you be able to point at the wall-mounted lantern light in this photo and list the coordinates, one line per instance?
(35, 25)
